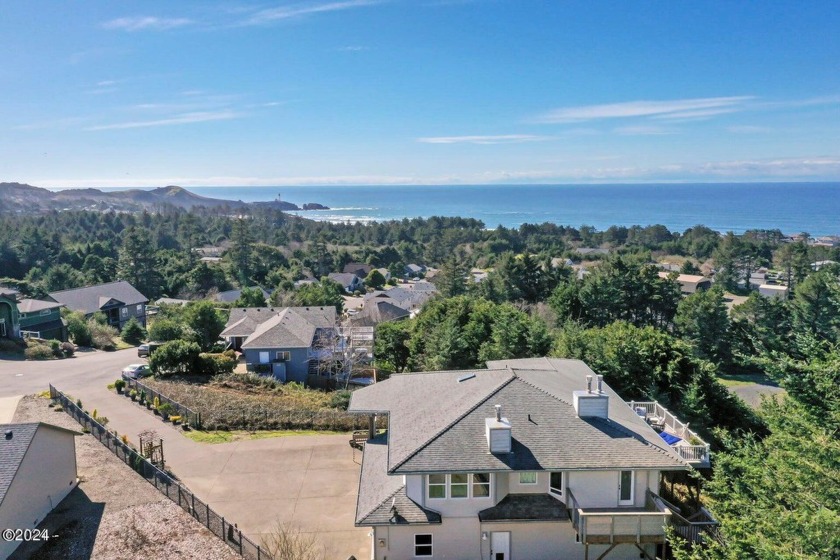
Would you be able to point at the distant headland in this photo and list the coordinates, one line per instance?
(21, 198)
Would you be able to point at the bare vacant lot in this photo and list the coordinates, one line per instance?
(114, 513)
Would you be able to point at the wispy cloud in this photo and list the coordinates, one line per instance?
(185, 118)
(679, 107)
(149, 23)
(352, 48)
(500, 139)
(304, 9)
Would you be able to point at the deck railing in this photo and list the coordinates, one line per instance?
(660, 417)
(619, 525)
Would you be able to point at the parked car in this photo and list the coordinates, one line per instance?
(145, 350)
(136, 371)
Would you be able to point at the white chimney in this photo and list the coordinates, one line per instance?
(497, 431)
(589, 404)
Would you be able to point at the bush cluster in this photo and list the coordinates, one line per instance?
(39, 351)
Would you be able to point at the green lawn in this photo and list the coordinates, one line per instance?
(239, 435)
(743, 380)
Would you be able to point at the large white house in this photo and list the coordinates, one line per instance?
(532, 459)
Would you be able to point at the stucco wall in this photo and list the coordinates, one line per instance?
(46, 475)
(541, 487)
(600, 488)
(455, 539)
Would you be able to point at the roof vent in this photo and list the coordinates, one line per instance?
(592, 404)
(8, 434)
(466, 377)
(498, 432)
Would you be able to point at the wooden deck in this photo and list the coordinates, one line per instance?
(692, 449)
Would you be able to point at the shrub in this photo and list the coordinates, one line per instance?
(215, 364)
(133, 332)
(133, 394)
(58, 408)
(102, 336)
(103, 420)
(176, 356)
(68, 349)
(7, 345)
(166, 409)
(340, 399)
(119, 385)
(55, 346)
(77, 327)
(38, 351)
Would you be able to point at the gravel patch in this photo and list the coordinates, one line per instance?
(114, 513)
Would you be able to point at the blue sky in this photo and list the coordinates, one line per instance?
(417, 92)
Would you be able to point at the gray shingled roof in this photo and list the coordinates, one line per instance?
(91, 298)
(526, 507)
(379, 492)
(231, 296)
(376, 312)
(14, 448)
(293, 327)
(33, 305)
(447, 433)
(243, 321)
(343, 278)
(403, 297)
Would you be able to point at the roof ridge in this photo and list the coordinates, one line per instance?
(92, 286)
(442, 431)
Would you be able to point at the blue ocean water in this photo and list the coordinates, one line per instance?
(790, 207)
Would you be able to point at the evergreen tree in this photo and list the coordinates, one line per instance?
(133, 332)
(703, 321)
(137, 263)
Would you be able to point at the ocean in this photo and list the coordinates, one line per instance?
(790, 207)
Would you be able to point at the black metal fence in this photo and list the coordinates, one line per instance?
(164, 482)
(187, 414)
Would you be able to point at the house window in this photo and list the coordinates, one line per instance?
(481, 485)
(2, 327)
(527, 478)
(140, 308)
(124, 310)
(422, 545)
(46, 311)
(459, 486)
(555, 485)
(284, 356)
(437, 486)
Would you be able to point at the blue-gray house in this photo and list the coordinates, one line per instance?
(285, 342)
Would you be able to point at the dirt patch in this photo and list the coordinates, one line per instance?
(114, 513)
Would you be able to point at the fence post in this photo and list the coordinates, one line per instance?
(240, 543)
(208, 514)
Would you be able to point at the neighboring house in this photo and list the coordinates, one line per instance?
(377, 312)
(172, 301)
(359, 269)
(285, 341)
(119, 301)
(773, 291)
(385, 273)
(349, 281)
(414, 270)
(557, 262)
(42, 319)
(231, 296)
(530, 459)
(211, 260)
(410, 297)
(690, 283)
(9, 316)
(37, 470)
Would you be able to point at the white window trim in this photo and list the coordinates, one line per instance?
(448, 487)
(283, 356)
(562, 490)
(536, 478)
(139, 307)
(46, 311)
(431, 545)
(124, 310)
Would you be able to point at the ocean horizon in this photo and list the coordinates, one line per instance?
(790, 207)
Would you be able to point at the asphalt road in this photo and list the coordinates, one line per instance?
(84, 371)
(310, 482)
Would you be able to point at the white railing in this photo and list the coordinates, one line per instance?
(619, 525)
(692, 449)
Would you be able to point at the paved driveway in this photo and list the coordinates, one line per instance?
(308, 481)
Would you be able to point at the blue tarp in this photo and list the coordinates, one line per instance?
(669, 439)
